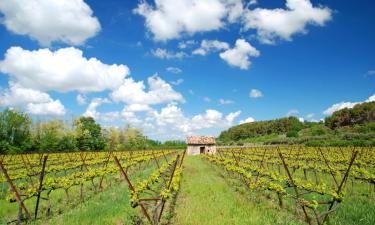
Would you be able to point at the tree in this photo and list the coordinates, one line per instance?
(14, 132)
(132, 138)
(359, 114)
(88, 134)
(113, 139)
(51, 133)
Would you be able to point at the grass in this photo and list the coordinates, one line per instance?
(207, 198)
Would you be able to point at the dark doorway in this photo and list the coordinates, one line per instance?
(201, 150)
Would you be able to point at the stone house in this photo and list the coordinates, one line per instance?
(201, 145)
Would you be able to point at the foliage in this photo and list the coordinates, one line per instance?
(359, 114)
(255, 129)
(14, 132)
(89, 134)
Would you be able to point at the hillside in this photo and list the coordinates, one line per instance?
(345, 127)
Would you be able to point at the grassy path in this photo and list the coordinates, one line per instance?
(206, 198)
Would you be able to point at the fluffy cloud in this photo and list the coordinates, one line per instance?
(69, 21)
(172, 118)
(247, 120)
(209, 46)
(165, 54)
(137, 108)
(131, 92)
(255, 93)
(175, 70)
(168, 19)
(33, 101)
(62, 70)
(51, 108)
(91, 109)
(343, 105)
(239, 55)
(17, 95)
(284, 23)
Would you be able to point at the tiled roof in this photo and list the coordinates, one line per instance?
(200, 140)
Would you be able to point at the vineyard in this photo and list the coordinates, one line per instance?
(35, 182)
(308, 183)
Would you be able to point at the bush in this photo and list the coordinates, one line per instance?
(292, 133)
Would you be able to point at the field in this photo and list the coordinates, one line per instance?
(258, 185)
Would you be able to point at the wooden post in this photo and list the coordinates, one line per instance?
(132, 188)
(40, 185)
(308, 219)
(14, 189)
(169, 185)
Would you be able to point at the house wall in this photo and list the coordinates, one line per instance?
(195, 149)
(210, 149)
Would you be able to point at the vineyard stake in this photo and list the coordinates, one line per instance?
(182, 160)
(105, 166)
(14, 189)
(132, 188)
(40, 185)
(169, 185)
(308, 219)
(330, 170)
(342, 182)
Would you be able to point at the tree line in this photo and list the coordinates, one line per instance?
(345, 127)
(19, 134)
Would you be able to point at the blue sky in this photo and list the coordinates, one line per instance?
(298, 57)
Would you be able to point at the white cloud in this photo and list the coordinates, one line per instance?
(171, 118)
(302, 120)
(33, 101)
(339, 106)
(225, 101)
(232, 116)
(343, 105)
(247, 120)
(51, 108)
(292, 112)
(130, 117)
(17, 95)
(168, 19)
(137, 108)
(68, 21)
(165, 54)
(239, 55)
(284, 23)
(175, 70)
(177, 82)
(62, 70)
(81, 99)
(91, 109)
(131, 92)
(255, 93)
(210, 46)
